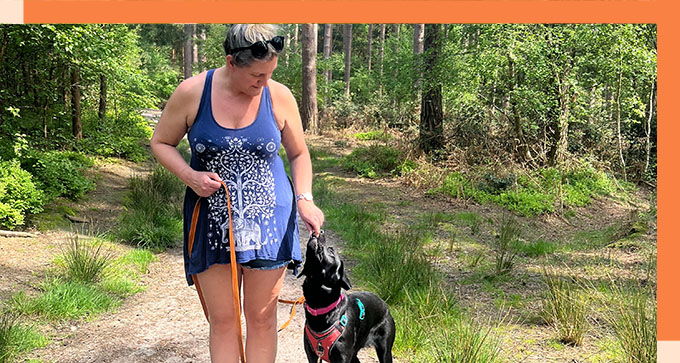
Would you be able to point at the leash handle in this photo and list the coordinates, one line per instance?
(234, 270)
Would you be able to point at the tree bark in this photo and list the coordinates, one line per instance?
(369, 46)
(102, 97)
(381, 56)
(76, 125)
(328, 50)
(431, 136)
(618, 120)
(188, 49)
(194, 53)
(418, 36)
(309, 111)
(648, 127)
(347, 48)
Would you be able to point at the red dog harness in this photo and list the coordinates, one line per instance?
(324, 342)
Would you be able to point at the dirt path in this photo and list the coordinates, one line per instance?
(165, 323)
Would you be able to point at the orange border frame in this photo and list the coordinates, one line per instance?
(439, 11)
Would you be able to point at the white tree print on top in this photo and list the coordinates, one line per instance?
(244, 167)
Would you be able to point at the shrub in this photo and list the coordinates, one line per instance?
(375, 161)
(19, 196)
(60, 173)
(153, 217)
(123, 138)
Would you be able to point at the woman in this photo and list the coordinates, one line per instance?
(236, 118)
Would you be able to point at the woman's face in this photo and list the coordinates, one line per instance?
(250, 79)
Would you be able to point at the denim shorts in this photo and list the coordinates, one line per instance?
(259, 264)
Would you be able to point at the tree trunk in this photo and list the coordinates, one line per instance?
(188, 49)
(194, 53)
(381, 56)
(202, 58)
(618, 121)
(328, 50)
(102, 97)
(431, 113)
(76, 125)
(309, 111)
(648, 127)
(519, 143)
(418, 35)
(369, 46)
(347, 48)
(560, 141)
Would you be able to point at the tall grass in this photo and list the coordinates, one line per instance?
(631, 313)
(564, 309)
(63, 300)
(504, 250)
(153, 218)
(85, 261)
(16, 338)
(394, 266)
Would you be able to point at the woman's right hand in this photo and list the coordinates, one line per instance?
(204, 183)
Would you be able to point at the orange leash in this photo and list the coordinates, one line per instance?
(234, 277)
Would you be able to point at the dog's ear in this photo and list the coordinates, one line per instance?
(342, 277)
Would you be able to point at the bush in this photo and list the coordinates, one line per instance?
(60, 173)
(377, 160)
(153, 218)
(19, 196)
(123, 138)
(532, 194)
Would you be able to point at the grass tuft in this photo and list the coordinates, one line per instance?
(16, 338)
(84, 260)
(565, 309)
(63, 300)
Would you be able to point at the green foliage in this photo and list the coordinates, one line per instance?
(565, 309)
(16, 338)
(60, 173)
(19, 196)
(534, 193)
(153, 218)
(507, 237)
(535, 249)
(632, 315)
(62, 300)
(376, 160)
(125, 138)
(379, 135)
(84, 260)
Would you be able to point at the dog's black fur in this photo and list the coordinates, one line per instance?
(324, 280)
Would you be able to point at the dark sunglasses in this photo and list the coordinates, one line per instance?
(259, 49)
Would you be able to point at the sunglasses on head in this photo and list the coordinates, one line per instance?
(260, 49)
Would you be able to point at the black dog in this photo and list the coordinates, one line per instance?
(338, 325)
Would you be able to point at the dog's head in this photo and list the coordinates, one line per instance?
(323, 266)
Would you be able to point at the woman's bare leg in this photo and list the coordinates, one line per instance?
(261, 290)
(216, 286)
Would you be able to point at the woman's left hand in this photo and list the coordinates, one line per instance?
(311, 215)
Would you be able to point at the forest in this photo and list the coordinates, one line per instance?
(543, 121)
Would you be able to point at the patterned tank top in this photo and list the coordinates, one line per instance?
(262, 203)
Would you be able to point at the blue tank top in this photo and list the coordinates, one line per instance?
(262, 202)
